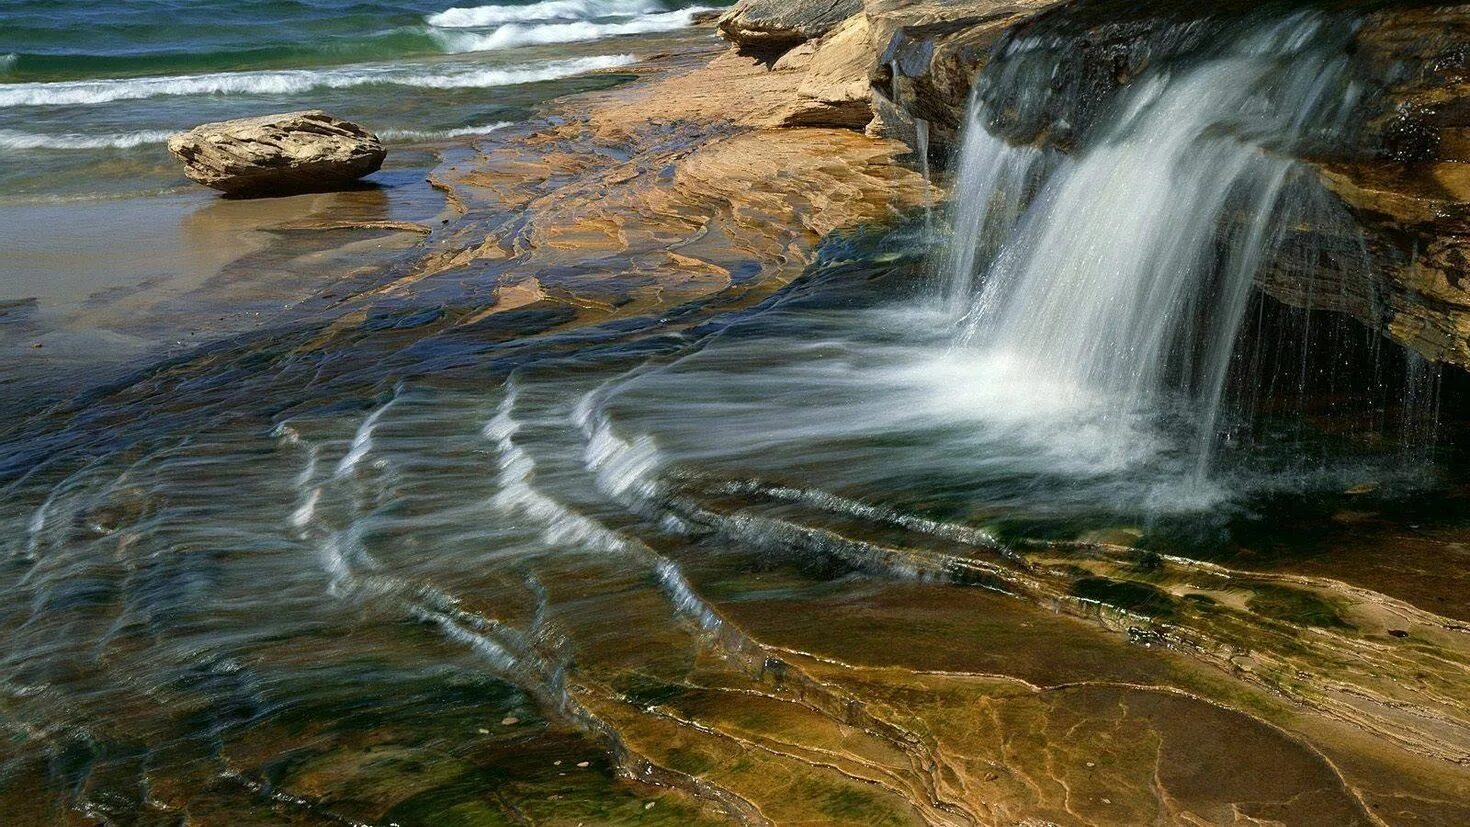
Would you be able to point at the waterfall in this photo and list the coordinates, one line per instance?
(1111, 299)
(992, 185)
(921, 148)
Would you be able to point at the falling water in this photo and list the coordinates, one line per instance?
(993, 182)
(1113, 301)
(921, 148)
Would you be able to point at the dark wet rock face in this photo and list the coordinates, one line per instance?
(1407, 180)
(278, 154)
(929, 52)
(1392, 246)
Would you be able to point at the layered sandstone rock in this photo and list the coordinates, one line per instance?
(778, 25)
(691, 187)
(275, 154)
(834, 90)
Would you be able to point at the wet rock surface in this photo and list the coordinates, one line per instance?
(1406, 183)
(295, 152)
(927, 54)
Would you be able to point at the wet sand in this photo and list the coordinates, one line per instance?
(97, 287)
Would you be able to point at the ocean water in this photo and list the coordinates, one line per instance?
(89, 91)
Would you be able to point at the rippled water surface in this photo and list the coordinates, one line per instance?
(298, 565)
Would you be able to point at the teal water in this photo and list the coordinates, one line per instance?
(89, 91)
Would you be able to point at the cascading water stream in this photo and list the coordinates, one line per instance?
(1113, 301)
(992, 184)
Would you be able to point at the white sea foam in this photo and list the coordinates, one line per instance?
(15, 139)
(483, 645)
(623, 468)
(561, 526)
(470, 17)
(433, 135)
(504, 425)
(512, 35)
(334, 563)
(294, 81)
(36, 526)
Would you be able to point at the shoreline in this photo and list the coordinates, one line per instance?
(117, 284)
(493, 209)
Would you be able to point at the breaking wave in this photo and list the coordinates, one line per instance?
(437, 134)
(442, 76)
(512, 35)
(471, 17)
(14, 139)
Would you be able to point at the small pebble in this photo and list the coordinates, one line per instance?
(1090, 764)
(556, 763)
(649, 805)
(1107, 801)
(483, 731)
(582, 765)
(509, 720)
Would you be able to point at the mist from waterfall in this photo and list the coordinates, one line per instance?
(1099, 293)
